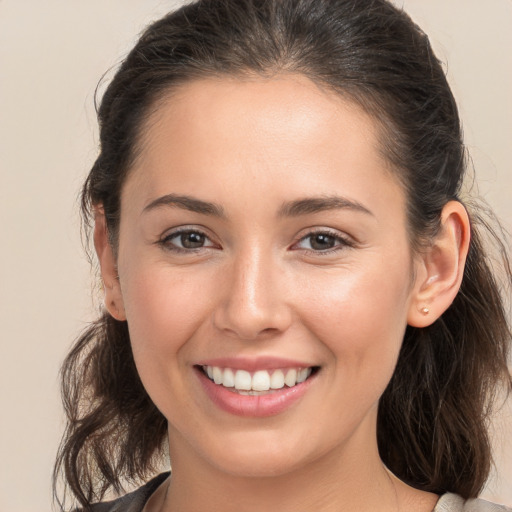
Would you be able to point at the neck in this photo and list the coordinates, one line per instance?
(350, 477)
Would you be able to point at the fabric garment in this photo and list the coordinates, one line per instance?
(453, 503)
(135, 501)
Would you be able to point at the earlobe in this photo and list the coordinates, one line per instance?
(441, 267)
(113, 296)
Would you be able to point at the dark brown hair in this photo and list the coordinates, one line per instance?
(432, 429)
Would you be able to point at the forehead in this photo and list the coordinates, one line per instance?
(258, 131)
(291, 108)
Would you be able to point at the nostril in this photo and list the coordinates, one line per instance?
(252, 327)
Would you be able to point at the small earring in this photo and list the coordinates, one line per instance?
(425, 310)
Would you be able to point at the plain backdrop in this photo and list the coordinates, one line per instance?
(52, 55)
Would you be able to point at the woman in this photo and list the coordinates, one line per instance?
(299, 309)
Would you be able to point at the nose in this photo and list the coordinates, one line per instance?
(253, 304)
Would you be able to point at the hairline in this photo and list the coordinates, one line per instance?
(367, 101)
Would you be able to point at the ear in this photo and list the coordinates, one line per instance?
(440, 267)
(113, 296)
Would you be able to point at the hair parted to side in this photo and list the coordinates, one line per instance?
(432, 429)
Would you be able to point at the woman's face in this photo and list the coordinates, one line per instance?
(263, 239)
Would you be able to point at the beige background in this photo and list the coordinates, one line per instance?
(52, 54)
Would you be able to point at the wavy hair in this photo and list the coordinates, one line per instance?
(432, 419)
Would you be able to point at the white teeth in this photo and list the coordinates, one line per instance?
(261, 380)
(277, 379)
(229, 378)
(243, 380)
(303, 374)
(291, 377)
(217, 375)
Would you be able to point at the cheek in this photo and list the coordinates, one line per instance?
(164, 308)
(361, 318)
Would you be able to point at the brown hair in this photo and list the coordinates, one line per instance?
(432, 428)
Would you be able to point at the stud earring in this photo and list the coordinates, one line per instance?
(425, 310)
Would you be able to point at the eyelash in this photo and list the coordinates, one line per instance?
(167, 244)
(341, 241)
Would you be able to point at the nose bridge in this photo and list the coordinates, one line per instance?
(254, 303)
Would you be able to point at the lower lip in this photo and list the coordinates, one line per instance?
(256, 406)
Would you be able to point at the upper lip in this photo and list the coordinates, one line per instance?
(252, 364)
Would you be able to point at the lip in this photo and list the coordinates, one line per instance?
(254, 364)
(255, 406)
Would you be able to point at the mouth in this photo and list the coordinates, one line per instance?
(259, 382)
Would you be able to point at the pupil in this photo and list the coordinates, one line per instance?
(322, 242)
(192, 240)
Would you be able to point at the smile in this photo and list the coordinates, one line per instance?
(256, 393)
(253, 383)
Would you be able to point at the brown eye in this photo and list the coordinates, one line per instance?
(322, 241)
(192, 240)
(186, 240)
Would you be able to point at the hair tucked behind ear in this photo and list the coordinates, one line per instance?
(433, 415)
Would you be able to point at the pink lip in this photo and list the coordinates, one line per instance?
(256, 406)
(254, 364)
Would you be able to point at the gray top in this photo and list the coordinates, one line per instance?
(135, 501)
(453, 503)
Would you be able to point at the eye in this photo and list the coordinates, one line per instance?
(186, 240)
(319, 241)
(322, 241)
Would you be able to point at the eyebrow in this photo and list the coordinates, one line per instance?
(290, 209)
(187, 203)
(319, 204)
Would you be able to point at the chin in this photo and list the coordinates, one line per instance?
(255, 467)
(260, 456)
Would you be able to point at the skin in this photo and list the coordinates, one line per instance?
(258, 287)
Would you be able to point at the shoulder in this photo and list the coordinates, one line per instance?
(453, 503)
(131, 502)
